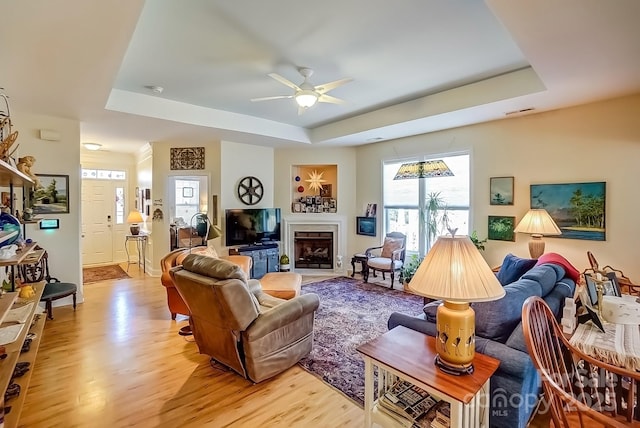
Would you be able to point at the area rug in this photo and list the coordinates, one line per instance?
(103, 273)
(351, 312)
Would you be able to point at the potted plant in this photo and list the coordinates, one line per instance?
(436, 217)
(284, 263)
(409, 269)
(479, 243)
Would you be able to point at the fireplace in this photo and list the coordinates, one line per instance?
(324, 239)
(313, 250)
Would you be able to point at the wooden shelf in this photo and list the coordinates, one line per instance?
(14, 355)
(19, 257)
(11, 420)
(10, 176)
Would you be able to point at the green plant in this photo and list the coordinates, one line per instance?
(436, 217)
(410, 267)
(477, 241)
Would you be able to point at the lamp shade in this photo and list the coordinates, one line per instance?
(537, 222)
(306, 98)
(454, 270)
(134, 217)
(214, 232)
(423, 169)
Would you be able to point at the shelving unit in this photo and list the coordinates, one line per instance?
(14, 355)
(10, 177)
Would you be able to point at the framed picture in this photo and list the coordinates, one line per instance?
(501, 190)
(297, 207)
(189, 158)
(500, 228)
(325, 191)
(610, 286)
(577, 208)
(366, 226)
(187, 192)
(53, 196)
(371, 210)
(6, 199)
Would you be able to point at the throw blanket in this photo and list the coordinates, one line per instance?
(619, 346)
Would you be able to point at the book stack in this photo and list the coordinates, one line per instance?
(408, 404)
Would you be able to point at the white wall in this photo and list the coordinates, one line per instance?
(594, 142)
(56, 157)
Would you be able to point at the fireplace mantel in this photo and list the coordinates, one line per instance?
(321, 223)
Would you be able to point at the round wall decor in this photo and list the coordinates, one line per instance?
(250, 190)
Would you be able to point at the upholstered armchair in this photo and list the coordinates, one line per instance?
(237, 324)
(174, 258)
(388, 257)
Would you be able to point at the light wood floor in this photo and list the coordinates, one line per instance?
(118, 361)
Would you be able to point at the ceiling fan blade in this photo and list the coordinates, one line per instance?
(278, 97)
(322, 89)
(324, 98)
(284, 81)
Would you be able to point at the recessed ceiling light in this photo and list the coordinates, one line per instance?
(92, 146)
(155, 89)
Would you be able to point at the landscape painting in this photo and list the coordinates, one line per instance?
(577, 208)
(501, 190)
(53, 196)
(500, 228)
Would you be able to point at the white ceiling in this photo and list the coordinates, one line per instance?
(417, 65)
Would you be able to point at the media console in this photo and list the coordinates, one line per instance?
(266, 258)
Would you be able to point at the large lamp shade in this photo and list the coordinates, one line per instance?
(455, 272)
(134, 218)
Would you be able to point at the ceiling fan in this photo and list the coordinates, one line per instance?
(306, 94)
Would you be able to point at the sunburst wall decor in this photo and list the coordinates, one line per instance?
(315, 180)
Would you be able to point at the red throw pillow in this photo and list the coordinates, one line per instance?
(557, 259)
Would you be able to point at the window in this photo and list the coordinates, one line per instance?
(405, 201)
(103, 174)
(187, 197)
(119, 205)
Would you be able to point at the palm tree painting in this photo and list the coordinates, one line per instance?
(500, 228)
(577, 208)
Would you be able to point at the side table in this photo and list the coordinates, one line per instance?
(362, 259)
(409, 355)
(141, 247)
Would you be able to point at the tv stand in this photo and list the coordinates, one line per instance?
(265, 257)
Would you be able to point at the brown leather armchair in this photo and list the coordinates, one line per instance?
(175, 258)
(240, 326)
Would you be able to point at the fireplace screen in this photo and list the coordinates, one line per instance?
(313, 250)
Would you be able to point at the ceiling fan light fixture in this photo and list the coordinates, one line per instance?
(306, 98)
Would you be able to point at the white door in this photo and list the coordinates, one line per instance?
(98, 214)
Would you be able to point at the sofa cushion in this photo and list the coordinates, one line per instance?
(557, 259)
(513, 267)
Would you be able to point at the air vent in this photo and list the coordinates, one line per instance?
(524, 110)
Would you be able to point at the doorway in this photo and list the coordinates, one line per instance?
(103, 222)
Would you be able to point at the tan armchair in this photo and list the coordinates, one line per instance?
(174, 258)
(388, 257)
(240, 326)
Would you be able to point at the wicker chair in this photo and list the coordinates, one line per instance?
(575, 383)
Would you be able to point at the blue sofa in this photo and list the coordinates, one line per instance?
(515, 386)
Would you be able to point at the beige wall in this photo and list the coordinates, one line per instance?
(594, 142)
(56, 157)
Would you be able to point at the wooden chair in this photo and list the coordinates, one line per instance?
(390, 259)
(575, 384)
(626, 286)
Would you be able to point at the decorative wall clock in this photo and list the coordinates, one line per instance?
(250, 190)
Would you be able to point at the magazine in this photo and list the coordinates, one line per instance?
(406, 400)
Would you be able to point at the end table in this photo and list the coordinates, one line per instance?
(362, 259)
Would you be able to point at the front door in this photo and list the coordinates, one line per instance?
(100, 226)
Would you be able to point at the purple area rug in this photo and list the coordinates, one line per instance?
(350, 313)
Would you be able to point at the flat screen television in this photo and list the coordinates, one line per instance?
(250, 226)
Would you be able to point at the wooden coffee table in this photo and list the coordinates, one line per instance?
(410, 355)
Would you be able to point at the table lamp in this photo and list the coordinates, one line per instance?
(455, 272)
(134, 217)
(537, 222)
